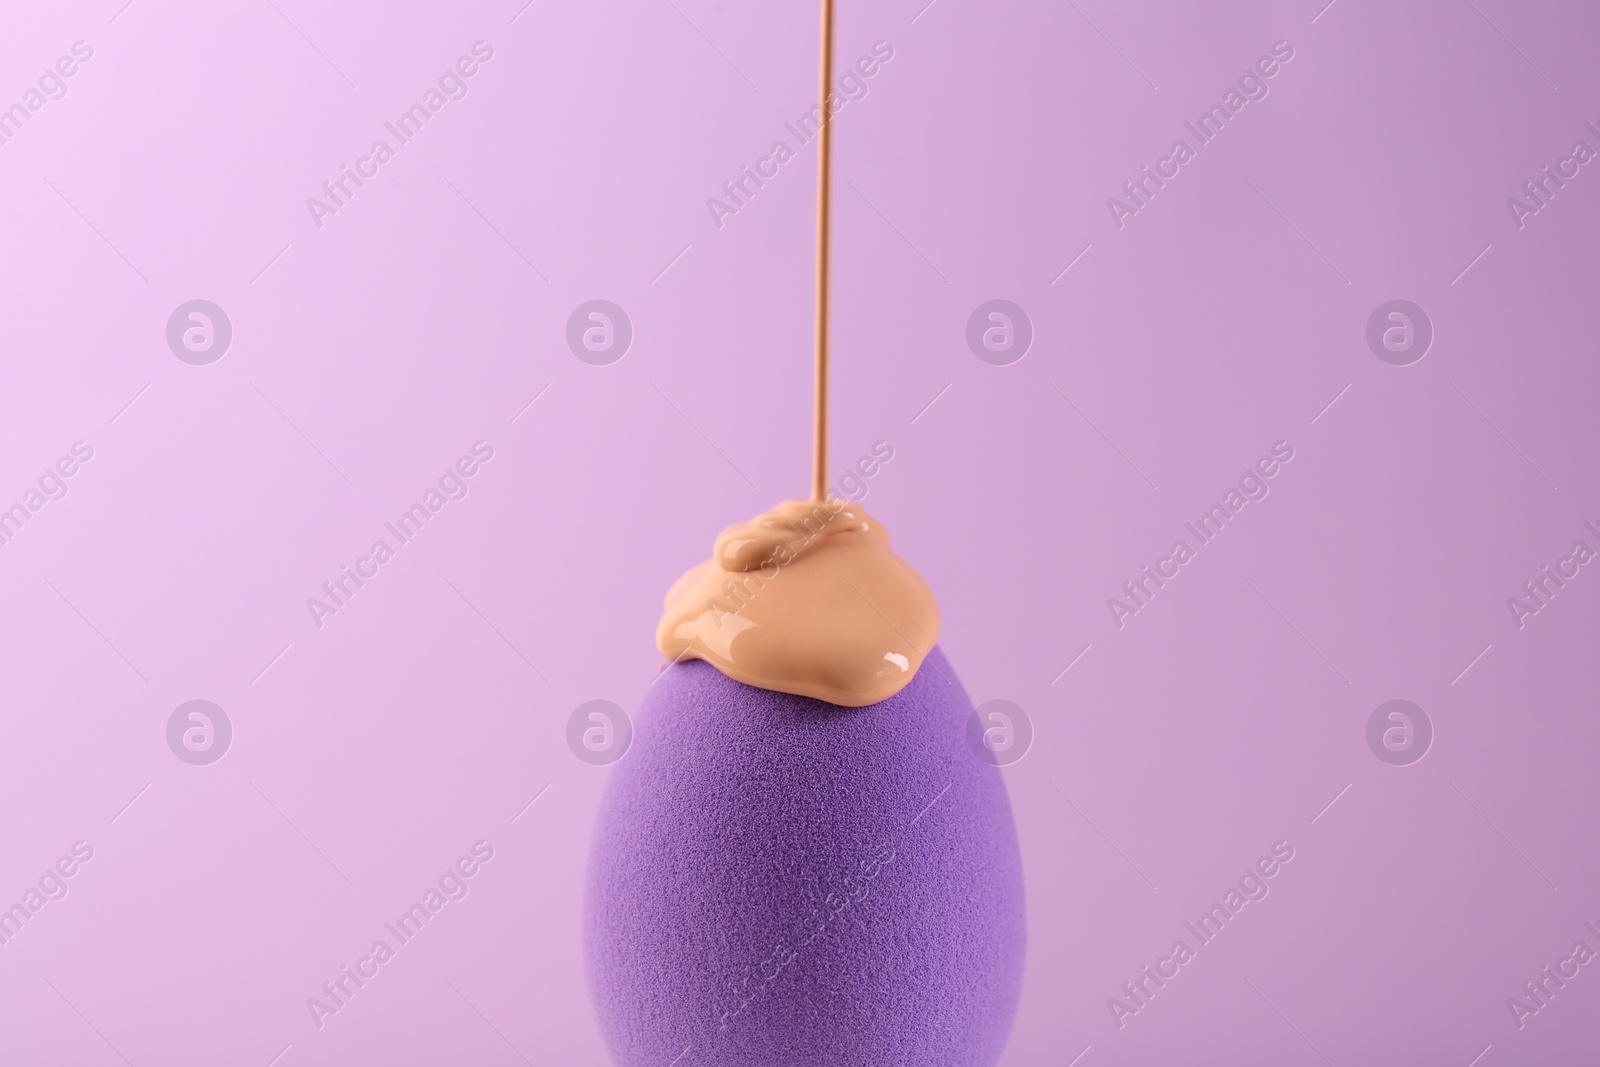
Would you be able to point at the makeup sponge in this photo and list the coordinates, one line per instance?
(777, 881)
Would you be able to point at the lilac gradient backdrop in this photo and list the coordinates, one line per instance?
(371, 352)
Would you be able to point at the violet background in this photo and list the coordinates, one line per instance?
(413, 323)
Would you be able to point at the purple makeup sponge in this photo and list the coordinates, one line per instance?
(776, 880)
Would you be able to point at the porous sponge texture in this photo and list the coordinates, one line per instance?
(776, 881)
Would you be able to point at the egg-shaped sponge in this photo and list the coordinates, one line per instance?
(777, 881)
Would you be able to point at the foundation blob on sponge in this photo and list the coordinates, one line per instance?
(777, 881)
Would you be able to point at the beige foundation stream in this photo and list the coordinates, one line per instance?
(807, 598)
